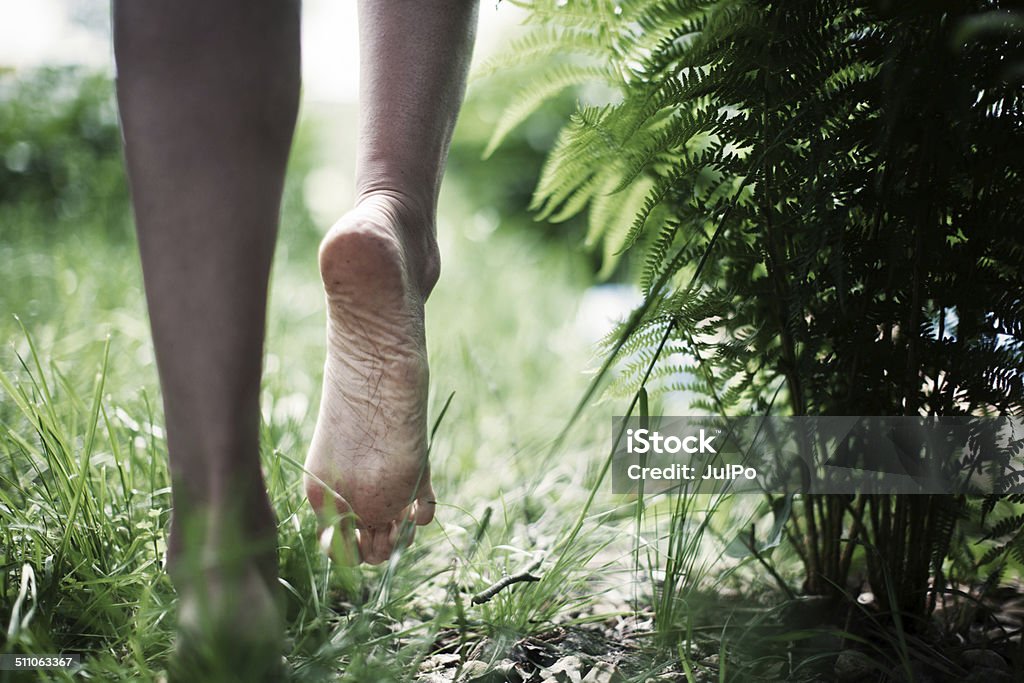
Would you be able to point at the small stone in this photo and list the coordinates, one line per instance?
(435, 677)
(710, 660)
(565, 670)
(441, 660)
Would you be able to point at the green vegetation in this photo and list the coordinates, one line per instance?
(84, 498)
(822, 204)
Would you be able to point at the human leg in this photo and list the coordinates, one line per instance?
(208, 95)
(379, 264)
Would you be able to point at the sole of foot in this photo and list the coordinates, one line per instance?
(368, 477)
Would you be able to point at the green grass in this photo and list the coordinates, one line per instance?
(84, 503)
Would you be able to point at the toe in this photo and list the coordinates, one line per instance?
(403, 530)
(401, 534)
(340, 545)
(314, 494)
(425, 505)
(374, 545)
(335, 524)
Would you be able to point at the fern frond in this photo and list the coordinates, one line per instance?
(545, 86)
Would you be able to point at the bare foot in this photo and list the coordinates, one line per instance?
(229, 623)
(229, 629)
(222, 558)
(378, 265)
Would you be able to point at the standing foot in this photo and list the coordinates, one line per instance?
(223, 562)
(229, 629)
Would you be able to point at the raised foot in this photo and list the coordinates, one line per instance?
(368, 456)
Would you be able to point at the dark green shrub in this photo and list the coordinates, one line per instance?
(824, 203)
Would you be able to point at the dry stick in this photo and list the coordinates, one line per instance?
(506, 581)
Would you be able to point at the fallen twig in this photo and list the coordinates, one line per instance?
(504, 582)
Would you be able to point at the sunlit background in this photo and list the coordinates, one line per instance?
(76, 33)
(40, 32)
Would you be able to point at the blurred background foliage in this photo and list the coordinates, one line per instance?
(62, 163)
(506, 185)
(61, 152)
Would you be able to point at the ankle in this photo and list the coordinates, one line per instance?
(415, 218)
(239, 532)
